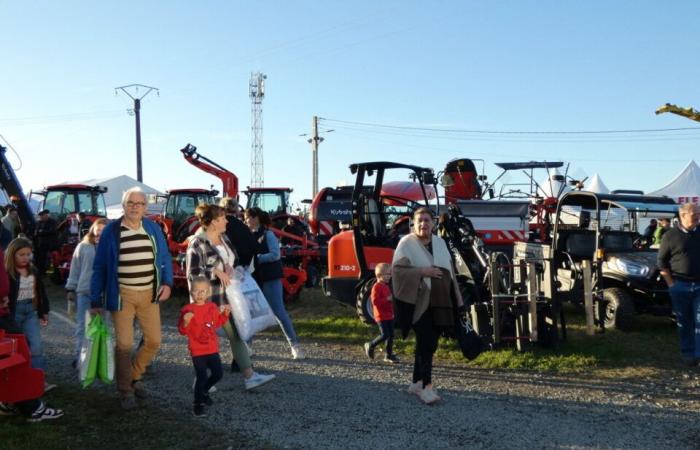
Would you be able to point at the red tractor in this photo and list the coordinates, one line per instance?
(300, 253)
(64, 202)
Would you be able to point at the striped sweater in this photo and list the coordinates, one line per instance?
(136, 269)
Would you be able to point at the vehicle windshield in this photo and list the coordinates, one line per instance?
(183, 205)
(271, 202)
(61, 203)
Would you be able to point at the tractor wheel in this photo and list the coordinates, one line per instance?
(616, 309)
(363, 306)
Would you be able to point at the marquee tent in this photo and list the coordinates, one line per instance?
(115, 189)
(685, 188)
(595, 184)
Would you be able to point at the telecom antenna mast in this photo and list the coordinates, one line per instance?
(257, 93)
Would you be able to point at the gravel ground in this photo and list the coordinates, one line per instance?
(337, 399)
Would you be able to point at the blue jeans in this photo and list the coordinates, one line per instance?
(26, 318)
(273, 292)
(685, 297)
(386, 327)
(82, 306)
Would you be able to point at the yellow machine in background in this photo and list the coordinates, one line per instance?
(690, 113)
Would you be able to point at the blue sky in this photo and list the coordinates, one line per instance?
(501, 66)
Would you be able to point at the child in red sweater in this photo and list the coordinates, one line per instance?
(383, 309)
(199, 321)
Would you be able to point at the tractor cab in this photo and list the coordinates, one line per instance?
(62, 200)
(178, 214)
(275, 202)
(381, 211)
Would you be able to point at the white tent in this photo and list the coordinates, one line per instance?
(551, 186)
(595, 184)
(685, 188)
(115, 189)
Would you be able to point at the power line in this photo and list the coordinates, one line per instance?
(504, 132)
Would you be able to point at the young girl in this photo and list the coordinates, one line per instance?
(79, 280)
(199, 321)
(29, 304)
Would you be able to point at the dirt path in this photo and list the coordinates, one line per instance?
(338, 399)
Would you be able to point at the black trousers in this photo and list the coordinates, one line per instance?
(426, 343)
(386, 327)
(203, 382)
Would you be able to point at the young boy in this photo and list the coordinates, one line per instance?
(199, 321)
(383, 308)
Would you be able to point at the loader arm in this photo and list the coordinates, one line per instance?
(10, 184)
(228, 179)
(690, 113)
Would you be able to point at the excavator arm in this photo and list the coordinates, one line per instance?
(229, 180)
(690, 113)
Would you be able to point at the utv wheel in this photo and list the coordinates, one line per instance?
(363, 304)
(617, 309)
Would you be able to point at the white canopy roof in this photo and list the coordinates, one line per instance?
(685, 188)
(595, 184)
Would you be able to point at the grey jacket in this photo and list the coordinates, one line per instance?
(81, 269)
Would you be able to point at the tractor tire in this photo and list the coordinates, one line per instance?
(363, 305)
(616, 309)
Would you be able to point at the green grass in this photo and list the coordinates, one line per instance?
(650, 349)
(94, 419)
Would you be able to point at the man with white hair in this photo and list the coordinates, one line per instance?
(132, 273)
(679, 262)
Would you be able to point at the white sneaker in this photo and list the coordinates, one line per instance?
(429, 396)
(297, 352)
(415, 388)
(257, 380)
(48, 387)
(211, 389)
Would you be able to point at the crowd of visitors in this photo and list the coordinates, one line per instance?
(123, 270)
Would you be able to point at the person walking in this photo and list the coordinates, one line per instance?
(78, 283)
(28, 302)
(209, 255)
(679, 264)
(132, 273)
(383, 310)
(238, 233)
(199, 321)
(268, 274)
(423, 280)
(45, 240)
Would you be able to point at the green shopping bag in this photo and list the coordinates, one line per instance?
(89, 353)
(105, 360)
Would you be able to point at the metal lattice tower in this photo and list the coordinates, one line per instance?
(257, 93)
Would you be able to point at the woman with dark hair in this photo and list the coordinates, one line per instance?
(209, 254)
(424, 281)
(268, 273)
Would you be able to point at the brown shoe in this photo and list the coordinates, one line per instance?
(139, 389)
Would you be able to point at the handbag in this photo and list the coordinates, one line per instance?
(470, 343)
(250, 310)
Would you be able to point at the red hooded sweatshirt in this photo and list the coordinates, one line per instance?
(201, 331)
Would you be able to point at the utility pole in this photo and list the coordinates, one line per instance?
(137, 112)
(314, 140)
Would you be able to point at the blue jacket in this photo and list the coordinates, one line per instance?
(104, 284)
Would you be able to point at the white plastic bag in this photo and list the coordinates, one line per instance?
(249, 308)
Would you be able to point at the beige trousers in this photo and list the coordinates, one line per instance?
(138, 305)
